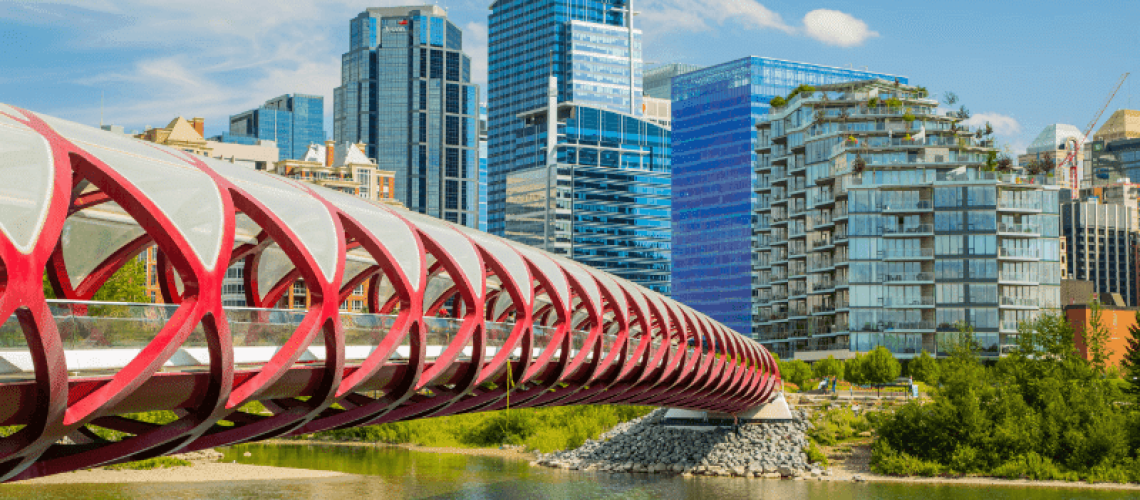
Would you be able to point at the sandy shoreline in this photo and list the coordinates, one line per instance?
(197, 473)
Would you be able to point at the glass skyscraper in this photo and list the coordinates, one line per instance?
(585, 44)
(294, 121)
(406, 93)
(715, 112)
(605, 203)
(880, 222)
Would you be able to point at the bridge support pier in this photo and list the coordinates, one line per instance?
(774, 411)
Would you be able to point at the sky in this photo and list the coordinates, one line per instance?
(1020, 65)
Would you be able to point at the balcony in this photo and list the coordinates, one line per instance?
(797, 290)
(908, 302)
(907, 253)
(915, 230)
(1019, 253)
(919, 206)
(1018, 206)
(1026, 230)
(1020, 278)
(900, 278)
(1020, 302)
(910, 326)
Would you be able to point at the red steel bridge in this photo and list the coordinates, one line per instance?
(457, 321)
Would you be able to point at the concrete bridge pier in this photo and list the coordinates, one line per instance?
(774, 411)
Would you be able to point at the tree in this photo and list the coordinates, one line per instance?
(796, 372)
(880, 366)
(989, 129)
(778, 102)
(950, 98)
(924, 368)
(829, 367)
(1096, 339)
(853, 370)
(1131, 361)
(128, 284)
(963, 113)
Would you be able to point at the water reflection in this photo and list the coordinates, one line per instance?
(387, 473)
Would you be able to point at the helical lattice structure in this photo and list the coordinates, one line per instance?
(456, 319)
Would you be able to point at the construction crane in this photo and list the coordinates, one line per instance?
(1076, 143)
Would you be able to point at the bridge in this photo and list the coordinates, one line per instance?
(456, 321)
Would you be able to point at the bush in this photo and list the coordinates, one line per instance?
(885, 460)
(797, 372)
(150, 464)
(1031, 466)
(834, 426)
(815, 455)
(778, 102)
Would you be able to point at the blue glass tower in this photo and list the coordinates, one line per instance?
(294, 121)
(482, 167)
(585, 44)
(406, 93)
(605, 202)
(715, 113)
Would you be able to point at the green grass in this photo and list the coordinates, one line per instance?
(150, 464)
(543, 429)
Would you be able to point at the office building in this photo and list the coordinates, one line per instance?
(293, 121)
(406, 94)
(603, 200)
(658, 81)
(586, 45)
(1121, 125)
(715, 111)
(1115, 318)
(880, 225)
(1100, 233)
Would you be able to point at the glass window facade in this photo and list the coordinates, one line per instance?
(294, 121)
(607, 205)
(850, 253)
(584, 43)
(715, 112)
(407, 95)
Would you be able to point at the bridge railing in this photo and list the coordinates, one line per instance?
(102, 337)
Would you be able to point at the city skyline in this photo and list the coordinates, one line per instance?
(147, 64)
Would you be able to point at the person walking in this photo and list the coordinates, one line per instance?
(834, 382)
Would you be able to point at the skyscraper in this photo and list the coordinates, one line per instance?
(294, 121)
(585, 44)
(406, 93)
(715, 112)
(565, 79)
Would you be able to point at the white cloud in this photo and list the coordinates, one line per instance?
(698, 15)
(212, 65)
(1003, 125)
(837, 28)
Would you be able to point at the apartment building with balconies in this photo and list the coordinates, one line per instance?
(883, 222)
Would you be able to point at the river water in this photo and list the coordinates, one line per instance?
(385, 473)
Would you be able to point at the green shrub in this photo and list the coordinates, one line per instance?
(885, 460)
(150, 464)
(1031, 466)
(834, 426)
(815, 455)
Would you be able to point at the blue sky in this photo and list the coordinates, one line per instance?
(1020, 64)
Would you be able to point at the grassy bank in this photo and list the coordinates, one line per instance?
(543, 429)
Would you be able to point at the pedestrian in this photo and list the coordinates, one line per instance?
(834, 382)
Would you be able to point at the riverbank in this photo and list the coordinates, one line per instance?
(852, 462)
(196, 473)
